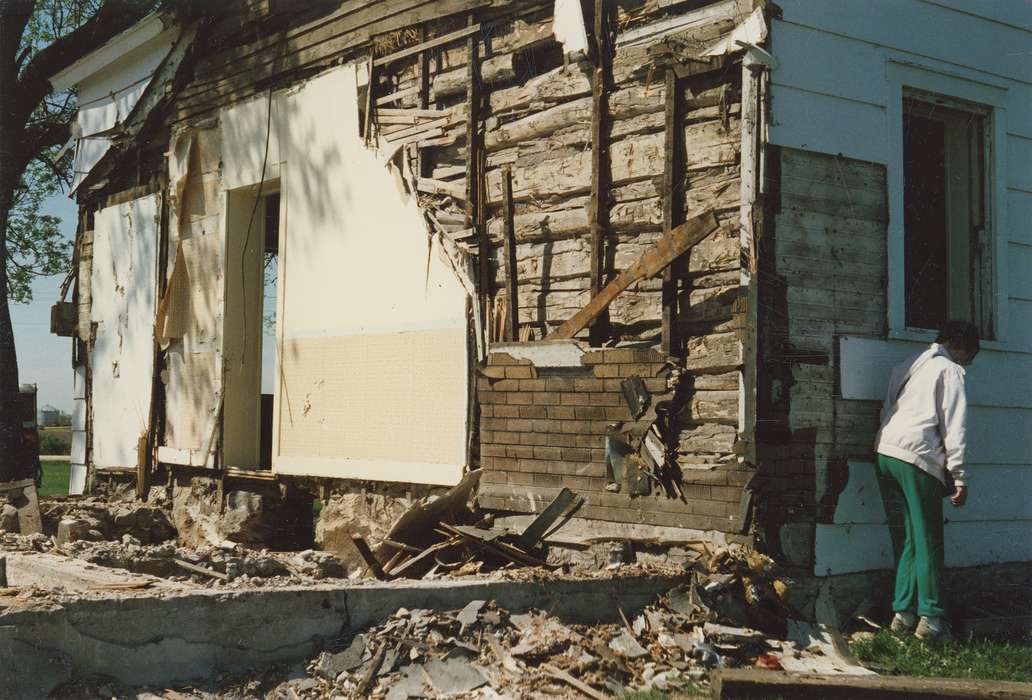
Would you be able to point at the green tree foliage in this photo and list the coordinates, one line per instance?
(36, 245)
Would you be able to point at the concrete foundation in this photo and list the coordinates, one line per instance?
(186, 636)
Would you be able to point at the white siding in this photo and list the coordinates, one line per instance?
(123, 279)
(835, 90)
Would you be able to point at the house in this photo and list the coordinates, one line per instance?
(49, 416)
(660, 253)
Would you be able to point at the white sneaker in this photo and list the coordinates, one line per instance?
(933, 628)
(903, 622)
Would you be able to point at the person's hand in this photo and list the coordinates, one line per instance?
(959, 496)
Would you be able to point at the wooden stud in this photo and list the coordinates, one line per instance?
(423, 66)
(474, 173)
(366, 131)
(598, 207)
(673, 202)
(509, 242)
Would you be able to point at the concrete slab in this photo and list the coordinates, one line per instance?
(182, 636)
(50, 572)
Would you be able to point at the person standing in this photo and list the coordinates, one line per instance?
(920, 446)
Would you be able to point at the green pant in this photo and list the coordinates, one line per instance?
(913, 506)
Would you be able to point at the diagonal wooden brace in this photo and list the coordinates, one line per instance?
(667, 249)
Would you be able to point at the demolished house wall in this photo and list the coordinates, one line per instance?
(276, 112)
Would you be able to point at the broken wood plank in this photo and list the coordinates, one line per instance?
(565, 677)
(193, 568)
(761, 683)
(427, 553)
(502, 549)
(431, 186)
(428, 44)
(122, 585)
(509, 243)
(367, 557)
(539, 526)
(655, 259)
(395, 96)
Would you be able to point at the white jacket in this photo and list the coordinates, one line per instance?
(924, 417)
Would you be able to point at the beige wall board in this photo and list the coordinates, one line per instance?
(124, 280)
(191, 398)
(375, 397)
(371, 470)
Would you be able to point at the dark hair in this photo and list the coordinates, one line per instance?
(960, 334)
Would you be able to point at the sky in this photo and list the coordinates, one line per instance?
(45, 359)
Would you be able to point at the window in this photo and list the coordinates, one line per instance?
(947, 251)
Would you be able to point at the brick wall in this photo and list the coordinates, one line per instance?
(544, 428)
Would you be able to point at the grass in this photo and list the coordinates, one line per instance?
(55, 478)
(977, 659)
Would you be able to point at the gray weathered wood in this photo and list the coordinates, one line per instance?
(509, 242)
(546, 518)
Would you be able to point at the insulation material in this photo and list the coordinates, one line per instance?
(190, 325)
(372, 318)
(194, 377)
(123, 280)
(174, 309)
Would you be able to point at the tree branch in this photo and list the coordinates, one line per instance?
(39, 137)
(113, 17)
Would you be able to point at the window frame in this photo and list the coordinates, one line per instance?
(967, 92)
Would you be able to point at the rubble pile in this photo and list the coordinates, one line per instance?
(229, 565)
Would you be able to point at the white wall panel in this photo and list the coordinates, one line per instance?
(842, 549)
(997, 492)
(816, 122)
(123, 294)
(994, 379)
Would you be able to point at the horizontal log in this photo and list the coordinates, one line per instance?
(495, 70)
(716, 353)
(709, 438)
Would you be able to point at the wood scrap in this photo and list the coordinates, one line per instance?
(200, 570)
(565, 677)
(123, 585)
(537, 528)
(367, 557)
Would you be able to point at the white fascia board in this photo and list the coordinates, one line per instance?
(134, 37)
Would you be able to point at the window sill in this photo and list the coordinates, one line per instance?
(915, 335)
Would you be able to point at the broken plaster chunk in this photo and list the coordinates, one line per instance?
(72, 529)
(330, 666)
(627, 646)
